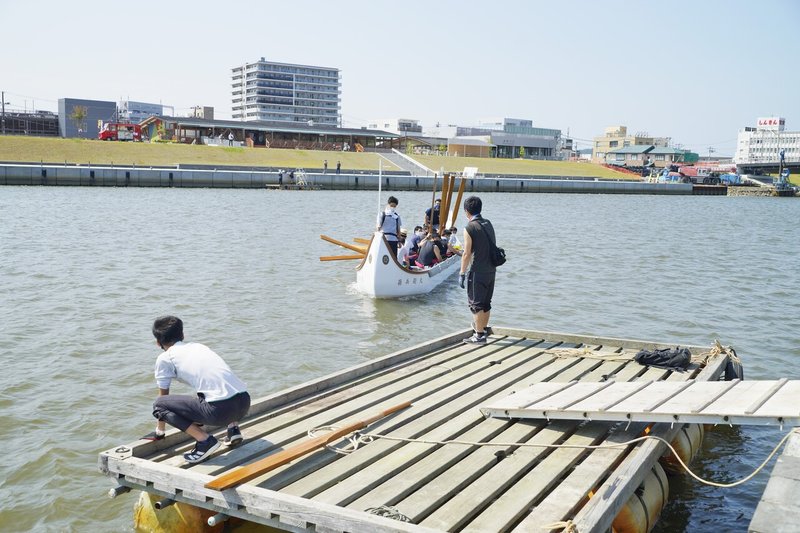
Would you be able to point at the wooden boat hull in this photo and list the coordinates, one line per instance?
(380, 275)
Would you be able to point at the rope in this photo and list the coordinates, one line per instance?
(358, 438)
(389, 512)
(585, 353)
(567, 527)
(717, 349)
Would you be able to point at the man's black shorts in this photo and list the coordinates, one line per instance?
(480, 287)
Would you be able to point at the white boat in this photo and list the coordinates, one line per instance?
(381, 275)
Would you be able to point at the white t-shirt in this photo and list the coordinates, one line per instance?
(199, 367)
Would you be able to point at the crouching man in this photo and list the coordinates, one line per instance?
(220, 397)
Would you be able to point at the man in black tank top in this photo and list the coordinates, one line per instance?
(478, 235)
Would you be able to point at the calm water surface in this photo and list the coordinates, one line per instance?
(84, 272)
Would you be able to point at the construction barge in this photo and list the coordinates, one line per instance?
(501, 475)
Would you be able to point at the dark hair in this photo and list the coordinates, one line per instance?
(392, 200)
(453, 229)
(168, 330)
(417, 228)
(473, 205)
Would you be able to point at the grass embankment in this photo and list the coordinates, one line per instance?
(82, 151)
(525, 167)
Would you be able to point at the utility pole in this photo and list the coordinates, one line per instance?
(3, 119)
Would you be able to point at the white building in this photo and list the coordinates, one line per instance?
(763, 143)
(406, 127)
(282, 92)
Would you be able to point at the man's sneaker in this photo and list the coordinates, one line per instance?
(154, 436)
(475, 339)
(202, 450)
(234, 437)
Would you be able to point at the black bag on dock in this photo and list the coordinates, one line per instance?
(673, 358)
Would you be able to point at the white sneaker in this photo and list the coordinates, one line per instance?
(475, 339)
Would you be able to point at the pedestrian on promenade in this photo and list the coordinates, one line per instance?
(230, 138)
(325, 167)
(338, 166)
(220, 397)
(477, 268)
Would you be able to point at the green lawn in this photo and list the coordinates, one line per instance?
(521, 167)
(56, 150)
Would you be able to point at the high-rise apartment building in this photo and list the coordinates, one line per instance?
(282, 92)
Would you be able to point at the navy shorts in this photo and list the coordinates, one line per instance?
(480, 287)
(181, 411)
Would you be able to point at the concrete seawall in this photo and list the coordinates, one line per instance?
(106, 176)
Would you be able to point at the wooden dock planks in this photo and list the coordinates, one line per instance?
(441, 487)
(690, 401)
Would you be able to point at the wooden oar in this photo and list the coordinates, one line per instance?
(457, 208)
(253, 470)
(359, 249)
(443, 205)
(340, 257)
(361, 241)
(433, 204)
(450, 187)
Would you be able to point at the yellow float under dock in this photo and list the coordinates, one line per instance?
(518, 485)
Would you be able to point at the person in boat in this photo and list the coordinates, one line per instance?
(407, 255)
(476, 259)
(405, 249)
(454, 241)
(389, 223)
(449, 251)
(433, 212)
(430, 252)
(220, 397)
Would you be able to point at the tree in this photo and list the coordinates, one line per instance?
(78, 117)
(522, 152)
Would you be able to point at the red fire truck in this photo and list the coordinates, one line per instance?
(120, 131)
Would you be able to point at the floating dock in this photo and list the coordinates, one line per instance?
(503, 475)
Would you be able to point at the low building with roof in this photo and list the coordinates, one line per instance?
(195, 130)
(644, 155)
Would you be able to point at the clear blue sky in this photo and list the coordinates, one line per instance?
(696, 71)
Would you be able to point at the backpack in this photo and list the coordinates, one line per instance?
(673, 358)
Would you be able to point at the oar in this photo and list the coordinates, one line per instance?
(450, 187)
(253, 470)
(362, 241)
(443, 205)
(457, 208)
(433, 203)
(340, 257)
(359, 249)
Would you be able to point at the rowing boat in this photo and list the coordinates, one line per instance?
(381, 275)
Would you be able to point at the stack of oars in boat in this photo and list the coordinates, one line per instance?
(446, 220)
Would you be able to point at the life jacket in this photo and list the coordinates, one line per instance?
(391, 228)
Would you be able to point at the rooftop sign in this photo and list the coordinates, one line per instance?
(771, 123)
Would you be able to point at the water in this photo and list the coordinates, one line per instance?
(85, 271)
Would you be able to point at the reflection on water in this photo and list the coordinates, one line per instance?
(85, 271)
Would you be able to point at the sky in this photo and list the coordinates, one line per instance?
(695, 71)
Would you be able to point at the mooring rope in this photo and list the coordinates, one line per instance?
(358, 438)
(717, 349)
(586, 353)
(566, 527)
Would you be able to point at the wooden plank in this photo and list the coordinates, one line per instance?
(472, 499)
(739, 398)
(785, 402)
(257, 505)
(561, 502)
(504, 511)
(442, 421)
(268, 464)
(402, 465)
(291, 426)
(761, 400)
(598, 513)
(594, 340)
